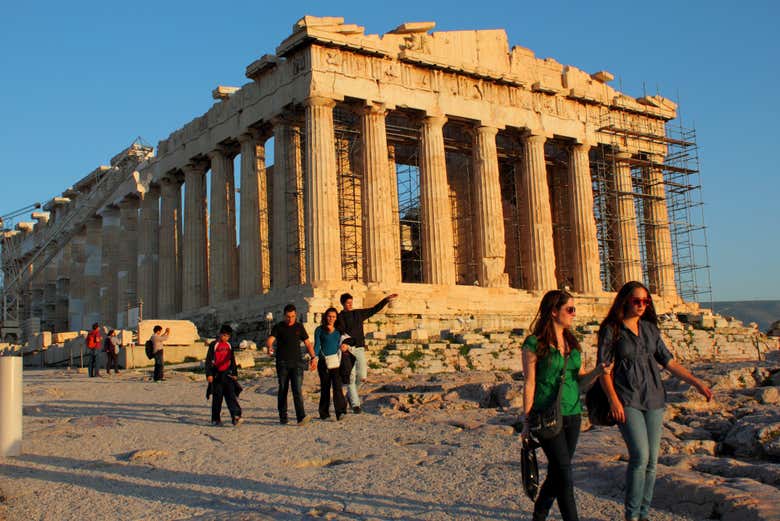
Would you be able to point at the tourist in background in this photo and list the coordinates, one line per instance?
(350, 322)
(629, 337)
(546, 351)
(288, 335)
(222, 376)
(158, 342)
(93, 345)
(111, 347)
(328, 348)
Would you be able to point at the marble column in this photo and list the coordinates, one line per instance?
(658, 239)
(392, 176)
(64, 267)
(223, 276)
(254, 272)
(170, 223)
(76, 317)
(92, 270)
(195, 277)
(321, 208)
(128, 258)
(149, 252)
(488, 211)
(109, 266)
(540, 265)
(435, 212)
(380, 235)
(585, 245)
(628, 264)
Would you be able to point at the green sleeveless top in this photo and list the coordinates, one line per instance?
(548, 378)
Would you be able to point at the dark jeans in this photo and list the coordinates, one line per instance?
(111, 361)
(330, 378)
(94, 370)
(158, 365)
(559, 483)
(290, 374)
(224, 386)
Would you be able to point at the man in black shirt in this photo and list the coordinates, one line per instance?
(288, 335)
(350, 321)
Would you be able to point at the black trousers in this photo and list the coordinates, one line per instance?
(289, 374)
(330, 379)
(158, 365)
(223, 387)
(559, 483)
(111, 361)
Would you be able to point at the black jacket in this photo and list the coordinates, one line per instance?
(351, 322)
(211, 370)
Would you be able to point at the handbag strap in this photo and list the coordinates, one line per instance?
(563, 378)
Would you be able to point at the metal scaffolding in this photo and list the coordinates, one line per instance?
(682, 189)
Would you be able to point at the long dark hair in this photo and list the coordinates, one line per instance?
(324, 319)
(542, 326)
(620, 307)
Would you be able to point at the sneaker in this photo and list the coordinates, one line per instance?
(237, 420)
(324, 417)
(284, 421)
(340, 417)
(356, 409)
(304, 420)
(216, 423)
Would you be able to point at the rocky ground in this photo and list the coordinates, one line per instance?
(429, 446)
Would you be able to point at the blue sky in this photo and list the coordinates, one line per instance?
(79, 81)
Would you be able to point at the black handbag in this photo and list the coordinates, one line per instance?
(547, 424)
(598, 406)
(529, 468)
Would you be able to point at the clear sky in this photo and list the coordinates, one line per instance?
(79, 81)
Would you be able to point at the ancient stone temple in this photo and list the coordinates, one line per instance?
(463, 174)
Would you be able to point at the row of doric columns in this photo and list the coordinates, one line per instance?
(175, 257)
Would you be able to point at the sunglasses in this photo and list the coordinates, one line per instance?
(641, 301)
(570, 310)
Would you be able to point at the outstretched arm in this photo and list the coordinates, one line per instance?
(369, 312)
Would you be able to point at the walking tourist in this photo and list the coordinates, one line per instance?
(328, 348)
(629, 337)
(158, 342)
(222, 375)
(93, 345)
(288, 335)
(111, 347)
(554, 376)
(350, 322)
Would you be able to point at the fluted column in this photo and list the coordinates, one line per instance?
(195, 281)
(658, 239)
(540, 265)
(222, 229)
(92, 270)
(76, 320)
(64, 267)
(128, 257)
(435, 213)
(280, 232)
(490, 241)
(170, 223)
(585, 245)
(321, 209)
(109, 287)
(149, 251)
(628, 261)
(380, 238)
(254, 273)
(393, 179)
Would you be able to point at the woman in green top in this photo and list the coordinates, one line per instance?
(544, 353)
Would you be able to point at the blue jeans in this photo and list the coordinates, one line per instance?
(358, 374)
(642, 434)
(290, 374)
(94, 370)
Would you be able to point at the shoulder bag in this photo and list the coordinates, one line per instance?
(529, 468)
(547, 424)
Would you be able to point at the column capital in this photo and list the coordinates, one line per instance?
(171, 179)
(129, 201)
(259, 136)
(582, 145)
(433, 120)
(288, 119)
(622, 155)
(536, 138)
(195, 167)
(486, 130)
(221, 151)
(319, 101)
(372, 108)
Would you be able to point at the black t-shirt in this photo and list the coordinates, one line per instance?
(288, 341)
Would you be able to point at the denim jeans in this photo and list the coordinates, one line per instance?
(94, 370)
(159, 364)
(358, 374)
(559, 483)
(642, 434)
(290, 374)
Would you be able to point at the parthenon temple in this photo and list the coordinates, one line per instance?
(464, 174)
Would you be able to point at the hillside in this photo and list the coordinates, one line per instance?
(762, 312)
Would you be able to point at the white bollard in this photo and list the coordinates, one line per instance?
(10, 406)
